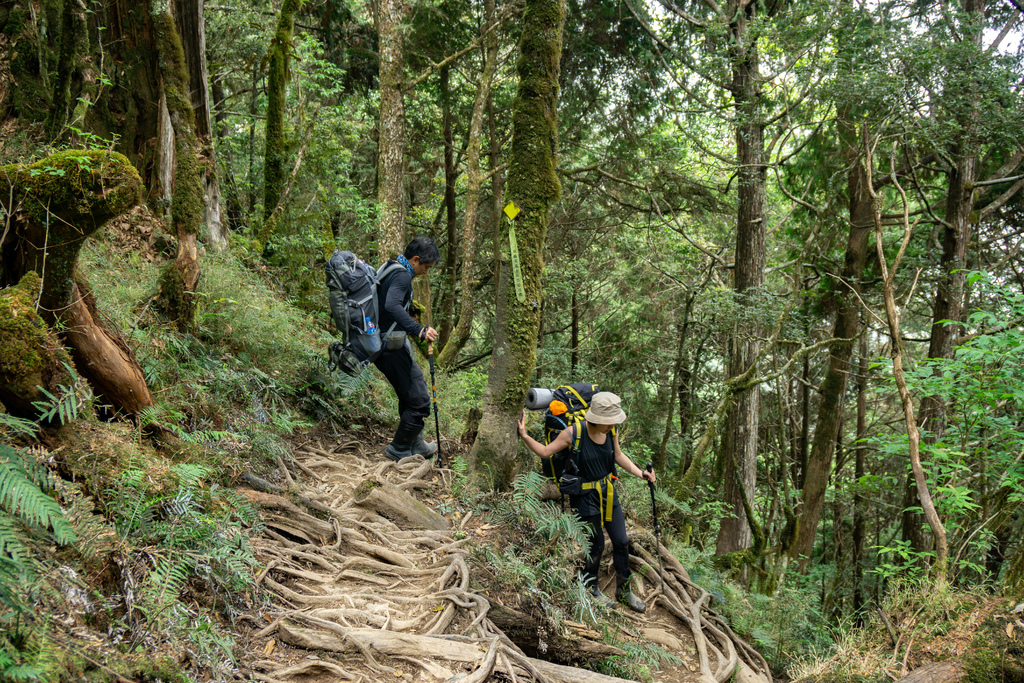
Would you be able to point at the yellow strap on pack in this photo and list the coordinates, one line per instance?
(606, 510)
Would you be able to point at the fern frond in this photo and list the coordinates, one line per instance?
(13, 541)
(23, 498)
(18, 425)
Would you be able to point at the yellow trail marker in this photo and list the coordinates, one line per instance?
(511, 210)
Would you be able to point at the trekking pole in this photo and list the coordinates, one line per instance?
(433, 390)
(657, 527)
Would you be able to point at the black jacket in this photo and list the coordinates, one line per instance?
(395, 300)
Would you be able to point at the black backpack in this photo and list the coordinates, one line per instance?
(352, 291)
(576, 398)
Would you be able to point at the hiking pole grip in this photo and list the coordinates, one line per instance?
(433, 391)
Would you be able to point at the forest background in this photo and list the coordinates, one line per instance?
(787, 233)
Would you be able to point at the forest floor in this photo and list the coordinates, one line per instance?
(366, 598)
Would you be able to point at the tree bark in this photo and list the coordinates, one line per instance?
(277, 81)
(833, 388)
(742, 431)
(391, 129)
(180, 279)
(73, 42)
(534, 186)
(956, 236)
(451, 218)
(858, 474)
(188, 16)
(937, 672)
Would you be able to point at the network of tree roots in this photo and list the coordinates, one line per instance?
(371, 584)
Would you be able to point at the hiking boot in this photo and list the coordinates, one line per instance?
(421, 447)
(600, 598)
(401, 445)
(397, 453)
(626, 597)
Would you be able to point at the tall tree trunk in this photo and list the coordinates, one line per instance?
(188, 15)
(391, 130)
(534, 187)
(858, 474)
(181, 278)
(742, 430)
(956, 236)
(833, 388)
(233, 194)
(73, 42)
(452, 220)
(574, 336)
(474, 185)
(677, 370)
(276, 145)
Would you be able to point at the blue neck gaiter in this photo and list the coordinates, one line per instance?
(405, 262)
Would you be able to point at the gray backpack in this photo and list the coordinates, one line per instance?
(352, 291)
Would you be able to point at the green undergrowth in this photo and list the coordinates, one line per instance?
(124, 551)
(934, 624)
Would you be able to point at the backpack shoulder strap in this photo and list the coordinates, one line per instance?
(576, 394)
(387, 269)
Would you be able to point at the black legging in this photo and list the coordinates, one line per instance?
(620, 544)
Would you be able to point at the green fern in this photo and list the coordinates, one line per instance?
(18, 425)
(13, 542)
(22, 497)
(65, 407)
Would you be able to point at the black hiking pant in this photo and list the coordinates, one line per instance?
(616, 529)
(406, 379)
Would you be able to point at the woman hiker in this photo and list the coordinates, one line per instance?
(597, 505)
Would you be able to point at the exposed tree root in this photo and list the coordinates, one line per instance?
(383, 583)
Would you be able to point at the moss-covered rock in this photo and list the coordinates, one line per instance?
(30, 354)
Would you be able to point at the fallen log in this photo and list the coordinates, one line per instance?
(534, 637)
(409, 645)
(937, 672)
(398, 506)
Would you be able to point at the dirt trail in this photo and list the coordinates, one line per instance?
(361, 597)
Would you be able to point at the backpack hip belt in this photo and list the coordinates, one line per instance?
(605, 510)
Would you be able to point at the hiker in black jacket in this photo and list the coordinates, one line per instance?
(396, 361)
(597, 505)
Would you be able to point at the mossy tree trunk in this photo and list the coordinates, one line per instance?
(389, 17)
(181, 278)
(533, 185)
(188, 16)
(56, 204)
(276, 143)
(73, 42)
(474, 184)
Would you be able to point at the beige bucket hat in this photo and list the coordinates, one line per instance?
(605, 409)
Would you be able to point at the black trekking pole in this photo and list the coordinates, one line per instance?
(657, 527)
(433, 390)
